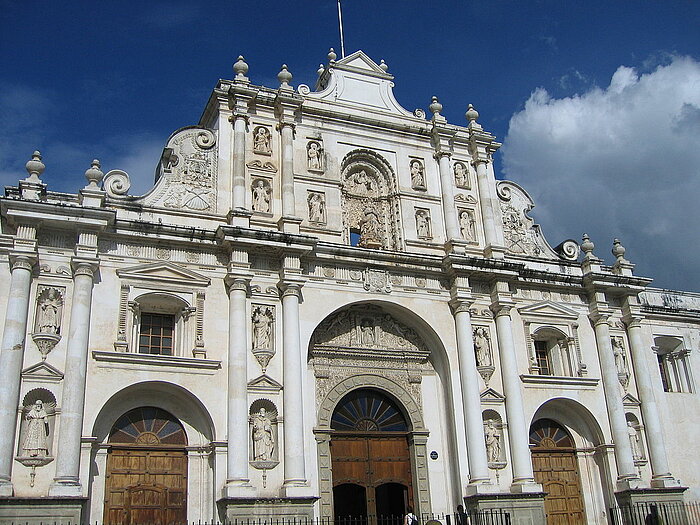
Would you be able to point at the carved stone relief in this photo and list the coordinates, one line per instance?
(377, 281)
(623, 373)
(417, 174)
(263, 334)
(262, 140)
(49, 314)
(423, 224)
(461, 175)
(36, 430)
(317, 207)
(314, 156)
(484, 353)
(262, 194)
(466, 224)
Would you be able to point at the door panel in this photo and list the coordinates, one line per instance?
(557, 471)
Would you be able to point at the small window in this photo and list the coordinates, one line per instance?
(553, 355)
(542, 355)
(674, 365)
(355, 236)
(156, 334)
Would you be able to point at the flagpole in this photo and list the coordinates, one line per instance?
(342, 39)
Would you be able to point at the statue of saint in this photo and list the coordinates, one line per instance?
(619, 353)
(482, 347)
(423, 223)
(261, 140)
(49, 319)
(317, 208)
(466, 225)
(261, 197)
(314, 156)
(461, 176)
(37, 431)
(493, 442)
(417, 178)
(369, 230)
(634, 440)
(263, 437)
(262, 329)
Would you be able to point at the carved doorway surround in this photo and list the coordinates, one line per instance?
(556, 468)
(146, 479)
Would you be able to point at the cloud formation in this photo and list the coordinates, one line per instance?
(623, 161)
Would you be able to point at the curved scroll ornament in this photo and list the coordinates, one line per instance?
(522, 236)
(117, 184)
(36, 431)
(205, 139)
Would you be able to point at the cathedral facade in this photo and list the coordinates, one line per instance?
(329, 306)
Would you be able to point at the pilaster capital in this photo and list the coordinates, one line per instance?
(500, 309)
(632, 321)
(598, 318)
(86, 267)
(238, 115)
(461, 305)
(22, 261)
(441, 153)
(237, 282)
(291, 287)
(286, 124)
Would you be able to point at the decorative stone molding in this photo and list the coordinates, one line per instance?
(377, 281)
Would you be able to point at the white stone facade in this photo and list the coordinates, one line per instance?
(302, 245)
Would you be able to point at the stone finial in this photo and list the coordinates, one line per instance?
(384, 66)
(435, 107)
(320, 70)
(618, 250)
(587, 246)
(240, 68)
(471, 114)
(35, 167)
(94, 174)
(332, 56)
(284, 77)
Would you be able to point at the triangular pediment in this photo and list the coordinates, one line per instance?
(42, 371)
(164, 272)
(491, 396)
(630, 401)
(548, 309)
(359, 62)
(264, 383)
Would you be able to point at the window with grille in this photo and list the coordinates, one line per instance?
(156, 334)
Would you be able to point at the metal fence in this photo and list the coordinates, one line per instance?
(656, 513)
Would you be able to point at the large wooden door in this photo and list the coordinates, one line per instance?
(371, 459)
(556, 468)
(146, 481)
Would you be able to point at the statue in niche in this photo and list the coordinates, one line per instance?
(36, 435)
(634, 440)
(482, 347)
(369, 230)
(619, 353)
(466, 225)
(367, 332)
(261, 197)
(261, 140)
(317, 207)
(423, 223)
(313, 156)
(493, 442)
(262, 328)
(263, 436)
(50, 304)
(417, 176)
(461, 176)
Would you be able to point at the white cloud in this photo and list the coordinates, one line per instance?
(624, 162)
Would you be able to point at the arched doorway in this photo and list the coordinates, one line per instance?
(146, 469)
(371, 459)
(556, 468)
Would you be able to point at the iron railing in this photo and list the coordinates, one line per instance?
(656, 513)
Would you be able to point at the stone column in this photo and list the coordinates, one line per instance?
(488, 213)
(287, 169)
(626, 470)
(448, 198)
(11, 357)
(661, 475)
(518, 431)
(240, 119)
(294, 467)
(471, 400)
(67, 480)
(237, 481)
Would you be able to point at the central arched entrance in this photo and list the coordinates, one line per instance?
(556, 468)
(371, 459)
(146, 469)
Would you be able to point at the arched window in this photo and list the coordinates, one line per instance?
(553, 353)
(368, 411)
(160, 324)
(548, 434)
(674, 367)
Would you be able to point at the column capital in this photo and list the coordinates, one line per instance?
(285, 123)
(86, 267)
(441, 153)
(25, 261)
(237, 281)
(599, 318)
(501, 308)
(291, 286)
(236, 115)
(461, 304)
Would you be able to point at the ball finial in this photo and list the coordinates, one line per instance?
(320, 70)
(587, 246)
(471, 114)
(332, 56)
(240, 68)
(435, 107)
(284, 76)
(35, 167)
(618, 250)
(94, 174)
(384, 66)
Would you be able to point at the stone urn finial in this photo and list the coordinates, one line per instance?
(384, 66)
(35, 167)
(320, 70)
(94, 174)
(471, 114)
(618, 250)
(284, 77)
(587, 246)
(332, 56)
(435, 107)
(240, 68)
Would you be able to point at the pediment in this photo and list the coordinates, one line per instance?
(164, 272)
(548, 309)
(264, 383)
(630, 401)
(360, 62)
(491, 396)
(42, 371)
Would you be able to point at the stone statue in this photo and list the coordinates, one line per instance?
(262, 329)
(261, 140)
(49, 308)
(317, 208)
(37, 431)
(369, 229)
(482, 347)
(461, 176)
(619, 353)
(261, 197)
(634, 440)
(417, 177)
(493, 442)
(423, 223)
(362, 184)
(466, 225)
(367, 331)
(263, 437)
(313, 156)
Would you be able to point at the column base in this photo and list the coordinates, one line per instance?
(66, 487)
(650, 495)
(239, 217)
(296, 489)
(238, 489)
(479, 489)
(629, 484)
(520, 508)
(456, 246)
(279, 509)
(665, 482)
(36, 511)
(528, 487)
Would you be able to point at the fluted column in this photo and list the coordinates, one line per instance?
(471, 400)
(237, 481)
(517, 427)
(239, 138)
(294, 468)
(67, 480)
(660, 472)
(288, 204)
(448, 199)
(11, 357)
(613, 401)
(486, 203)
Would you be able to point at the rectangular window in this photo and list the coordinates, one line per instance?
(542, 355)
(156, 334)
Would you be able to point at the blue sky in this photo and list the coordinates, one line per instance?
(597, 103)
